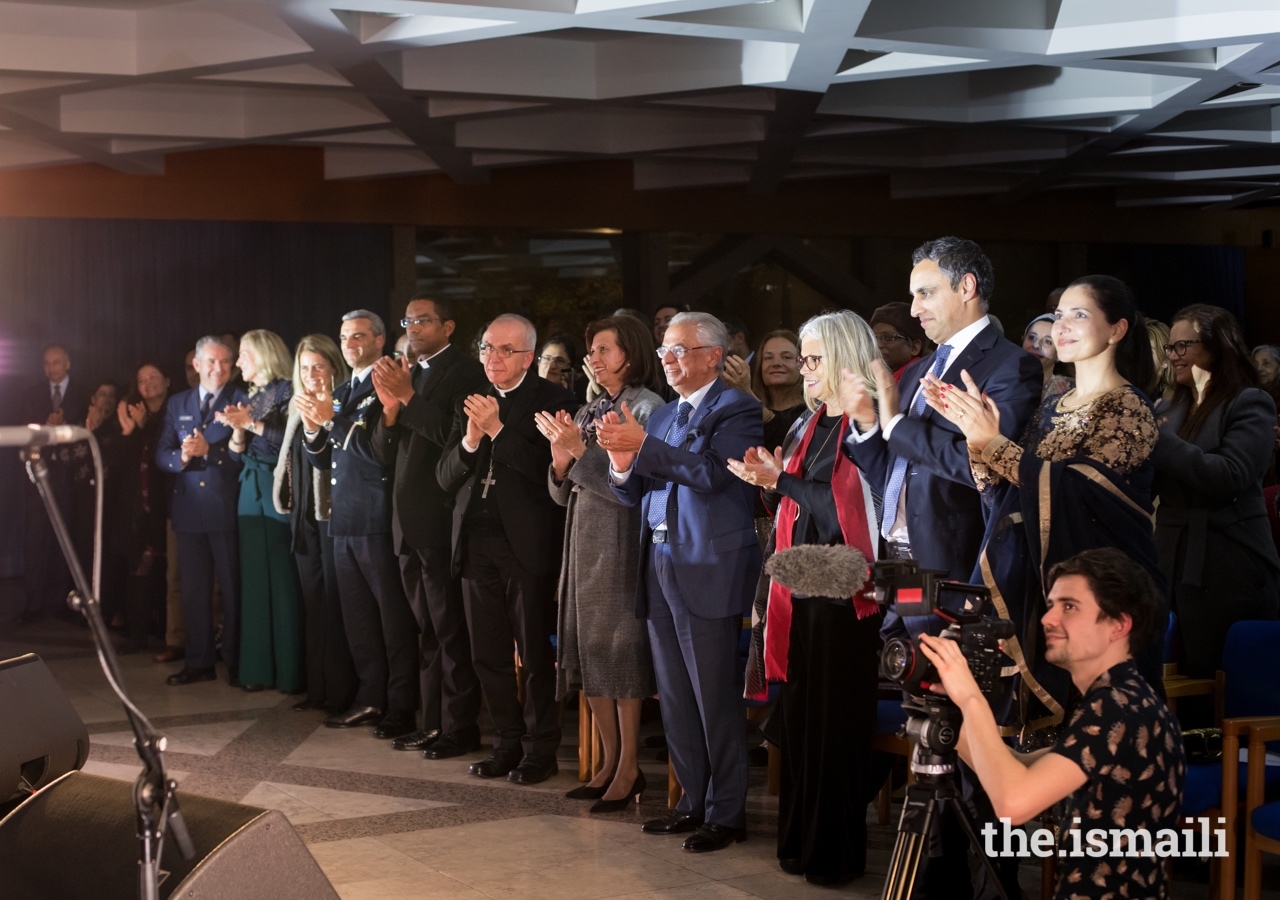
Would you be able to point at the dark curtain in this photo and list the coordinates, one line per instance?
(117, 293)
(1165, 278)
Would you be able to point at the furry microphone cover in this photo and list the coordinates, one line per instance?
(817, 570)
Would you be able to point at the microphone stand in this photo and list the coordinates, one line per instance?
(154, 793)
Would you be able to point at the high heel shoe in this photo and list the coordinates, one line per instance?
(633, 796)
(586, 792)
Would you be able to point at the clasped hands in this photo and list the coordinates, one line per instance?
(759, 467)
(482, 418)
(393, 383)
(315, 406)
(566, 440)
(621, 437)
(194, 446)
(969, 409)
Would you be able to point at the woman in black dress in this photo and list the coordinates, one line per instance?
(824, 650)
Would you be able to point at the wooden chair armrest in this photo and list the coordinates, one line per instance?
(1261, 730)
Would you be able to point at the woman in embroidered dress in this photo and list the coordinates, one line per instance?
(1079, 478)
(270, 608)
(824, 650)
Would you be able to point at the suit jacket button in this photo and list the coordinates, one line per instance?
(333, 481)
(202, 484)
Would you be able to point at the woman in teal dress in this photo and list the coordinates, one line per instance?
(271, 625)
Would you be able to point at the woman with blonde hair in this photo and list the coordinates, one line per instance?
(824, 650)
(302, 494)
(270, 613)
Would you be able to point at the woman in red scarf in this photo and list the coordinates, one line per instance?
(824, 650)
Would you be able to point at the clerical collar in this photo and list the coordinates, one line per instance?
(423, 360)
(502, 393)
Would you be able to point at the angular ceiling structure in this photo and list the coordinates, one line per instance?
(1168, 101)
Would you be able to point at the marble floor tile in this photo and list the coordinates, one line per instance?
(365, 859)
(491, 843)
(431, 886)
(707, 890)
(202, 740)
(778, 885)
(303, 804)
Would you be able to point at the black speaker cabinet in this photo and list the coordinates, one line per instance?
(77, 838)
(41, 735)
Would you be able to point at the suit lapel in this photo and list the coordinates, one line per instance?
(983, 341)
(709, 402)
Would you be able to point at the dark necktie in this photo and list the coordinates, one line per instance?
(57, 397)
(675, 438)
(204, 408)
(898, 476)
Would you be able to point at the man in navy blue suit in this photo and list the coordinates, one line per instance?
(380, 625)
(699, 565)
(205, 488)
(932, 510)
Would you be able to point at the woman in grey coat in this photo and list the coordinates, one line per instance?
(602, 647)
(1212, 533)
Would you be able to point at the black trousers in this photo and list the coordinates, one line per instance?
(510, 608)
(448, 684)
(201, 555)
(381, 630)
(331, 675)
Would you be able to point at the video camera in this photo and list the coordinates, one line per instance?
(908, 590)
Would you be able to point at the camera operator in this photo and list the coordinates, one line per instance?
(1119, 764)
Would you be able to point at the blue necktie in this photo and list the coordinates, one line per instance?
(675, 437)
(204, 408)
(898, 477)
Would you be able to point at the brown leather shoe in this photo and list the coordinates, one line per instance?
(171, 654)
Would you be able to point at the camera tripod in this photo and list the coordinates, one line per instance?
(933, 725)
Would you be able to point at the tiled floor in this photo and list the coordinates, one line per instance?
(394, 826)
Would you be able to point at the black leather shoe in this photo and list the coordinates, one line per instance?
(496, 766)
(533, 771)
(586, 792)
(633, 796)
(356, 715)
(419, 740)
(672, 823)
(450, 746)
(191, 676)
(394, 725)
(713, 837)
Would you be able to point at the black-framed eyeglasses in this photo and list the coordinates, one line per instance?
(679, 350)
(503, 352)
(808, 362)
(420, 320)
(1178, 348)
(886, 340)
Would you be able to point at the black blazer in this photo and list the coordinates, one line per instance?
(361, 484)
(422, 510)
(75, 403)
(531, 520)
(946, 518)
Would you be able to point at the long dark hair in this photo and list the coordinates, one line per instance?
(1230, 363)
(635, 339)
(1133, 352)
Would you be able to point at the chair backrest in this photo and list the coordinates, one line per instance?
(1270, 496)
(1171, 638)
(1251, 664)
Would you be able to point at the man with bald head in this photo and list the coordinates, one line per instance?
(57, 399)
(507, 538)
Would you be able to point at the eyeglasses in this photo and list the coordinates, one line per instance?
(808, 362)
(421, 320)
(886, 340)
(553, 360)
(503, 352)
(678, 350)
(1178, 348)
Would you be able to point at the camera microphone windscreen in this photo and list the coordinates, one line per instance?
(818, 570)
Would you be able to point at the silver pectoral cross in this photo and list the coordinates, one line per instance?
(488, 482)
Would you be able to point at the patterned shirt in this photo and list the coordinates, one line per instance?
(1129, 745)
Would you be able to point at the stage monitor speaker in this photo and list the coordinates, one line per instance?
(41, 735)
(77, 838)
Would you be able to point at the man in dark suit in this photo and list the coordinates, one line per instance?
(380, 625)
(418, 404)
(699, 565)
(206, 488)
(57, 399)
(932, 509)
(508, 535)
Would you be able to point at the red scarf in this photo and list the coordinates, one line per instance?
(851, 510)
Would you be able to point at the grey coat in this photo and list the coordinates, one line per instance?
(1212, 532)
(601, 646)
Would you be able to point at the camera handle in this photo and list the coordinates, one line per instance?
(932, 795)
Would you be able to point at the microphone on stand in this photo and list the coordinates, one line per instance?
(42, 435)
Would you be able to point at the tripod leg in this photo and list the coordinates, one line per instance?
(918, 809)
(957, 808)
